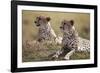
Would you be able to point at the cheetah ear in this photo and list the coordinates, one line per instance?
(48, 18)
(72, 22)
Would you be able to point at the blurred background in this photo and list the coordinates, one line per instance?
(82, 22)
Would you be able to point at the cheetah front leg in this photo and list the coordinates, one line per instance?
(67, 56)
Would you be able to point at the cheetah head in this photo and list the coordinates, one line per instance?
(67, 26)
(42, 21)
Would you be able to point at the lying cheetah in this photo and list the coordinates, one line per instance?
(71, 41)
(45, 30)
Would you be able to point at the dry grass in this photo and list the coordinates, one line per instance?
(40, 52)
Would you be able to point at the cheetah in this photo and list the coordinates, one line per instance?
(46, 33)
(71, 41)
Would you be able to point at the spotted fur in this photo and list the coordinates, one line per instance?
(71, 41)
(46, 33)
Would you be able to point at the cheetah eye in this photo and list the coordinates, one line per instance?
(39, 18)
(64, 23)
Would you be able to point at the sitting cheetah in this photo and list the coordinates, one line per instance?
(45, 30)
(71, 41)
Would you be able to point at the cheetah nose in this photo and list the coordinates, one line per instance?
(35, 22)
